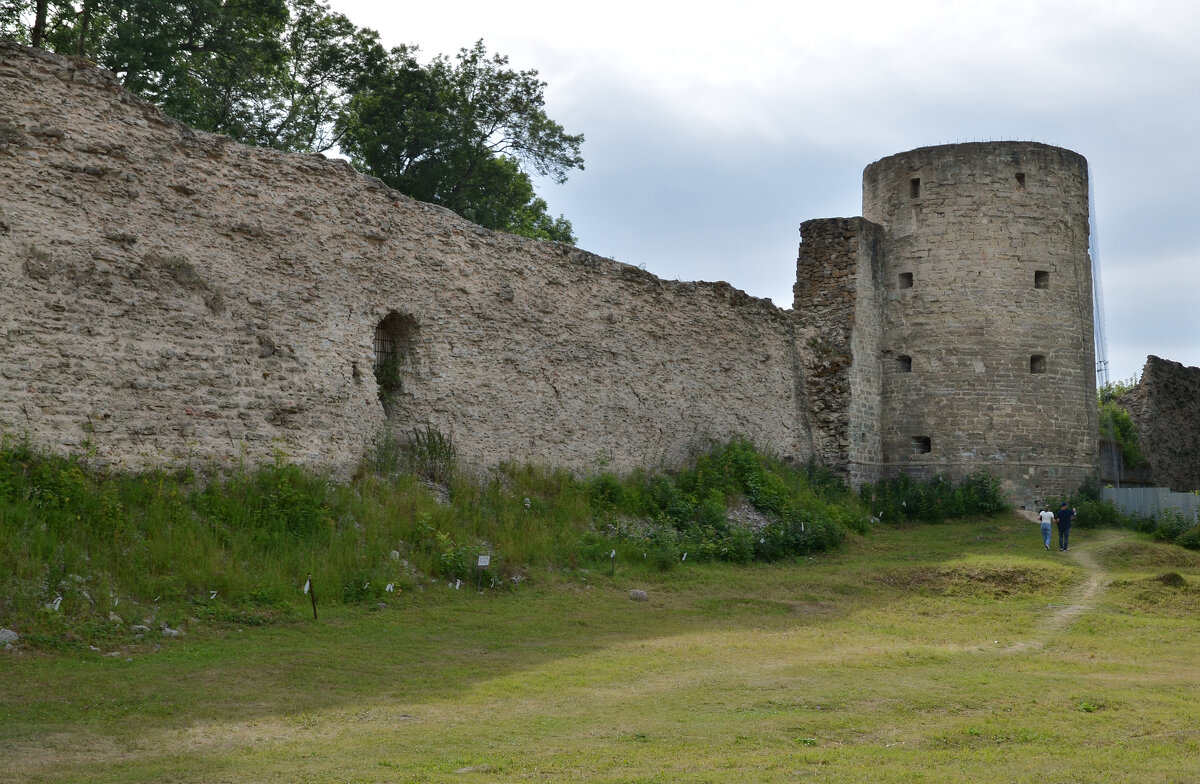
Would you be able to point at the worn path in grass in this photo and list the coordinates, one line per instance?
(1081, 599)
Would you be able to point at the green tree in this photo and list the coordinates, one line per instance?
(1115, 423)
(327, 59)
(275, 73)
(11, 25)
(57, 25)
(465, 133)
(205, 62)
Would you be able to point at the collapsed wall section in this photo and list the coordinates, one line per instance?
(170, 297)
(1165, 407)
(838, 333)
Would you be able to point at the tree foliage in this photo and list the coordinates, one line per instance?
(464, 133)
(467, 132)
(1115, 423)
(327, 59)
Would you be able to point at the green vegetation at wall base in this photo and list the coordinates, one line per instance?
(92, 555)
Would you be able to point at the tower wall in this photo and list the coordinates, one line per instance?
(838, 304)
(987, 350)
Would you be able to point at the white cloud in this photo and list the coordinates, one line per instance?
(712, 135)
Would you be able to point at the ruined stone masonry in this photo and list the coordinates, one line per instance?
(168, 297)
(1165, 407)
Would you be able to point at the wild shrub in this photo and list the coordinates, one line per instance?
(1116, 425)
(87, 542)
(430, 454)
(1169, 525)
(904, 498)
(1094, 511)
(1173, 526)
(807, 510)
(275, 502)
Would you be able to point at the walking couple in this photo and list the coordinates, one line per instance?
(1063, 518)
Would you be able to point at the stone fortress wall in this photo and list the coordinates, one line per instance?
(168, 296)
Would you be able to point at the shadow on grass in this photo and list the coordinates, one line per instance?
(439, 645)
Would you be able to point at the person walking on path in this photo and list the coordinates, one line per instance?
(1046, 517)
(1065, 516)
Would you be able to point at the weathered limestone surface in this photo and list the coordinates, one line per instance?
(837, 341)
(1165, 406)
(168, 296)
(986, 270)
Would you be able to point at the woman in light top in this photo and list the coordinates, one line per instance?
(1046, 517)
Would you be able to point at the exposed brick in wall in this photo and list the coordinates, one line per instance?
(1165, 406)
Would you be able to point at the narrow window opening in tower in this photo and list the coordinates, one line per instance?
(914, 187)
(1041, 279)
(904, 363)
(1020, 181)
(906, 280)
(1037, 363)
(922, 445)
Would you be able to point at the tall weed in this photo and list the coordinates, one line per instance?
(904, 498)
(687, 511)
(159, 548)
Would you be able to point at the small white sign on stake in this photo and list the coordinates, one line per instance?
(484, 561)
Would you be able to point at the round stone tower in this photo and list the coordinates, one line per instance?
(987, 355)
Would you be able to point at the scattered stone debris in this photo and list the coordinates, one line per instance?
(743, 515)
(9, 636)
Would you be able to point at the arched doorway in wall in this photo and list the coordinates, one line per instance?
(395, 360)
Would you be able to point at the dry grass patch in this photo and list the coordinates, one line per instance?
(1167, 594)
(1144, 555)
(994, 578)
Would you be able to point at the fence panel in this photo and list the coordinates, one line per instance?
(1149, 501)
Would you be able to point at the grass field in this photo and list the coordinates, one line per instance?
(956, 652)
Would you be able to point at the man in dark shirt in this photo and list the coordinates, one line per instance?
(1064, 517)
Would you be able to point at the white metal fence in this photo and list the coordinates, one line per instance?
(1149, 501)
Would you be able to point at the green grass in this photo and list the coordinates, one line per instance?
(86, 552)
(957, 652)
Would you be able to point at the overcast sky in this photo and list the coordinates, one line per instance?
(712, 134)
